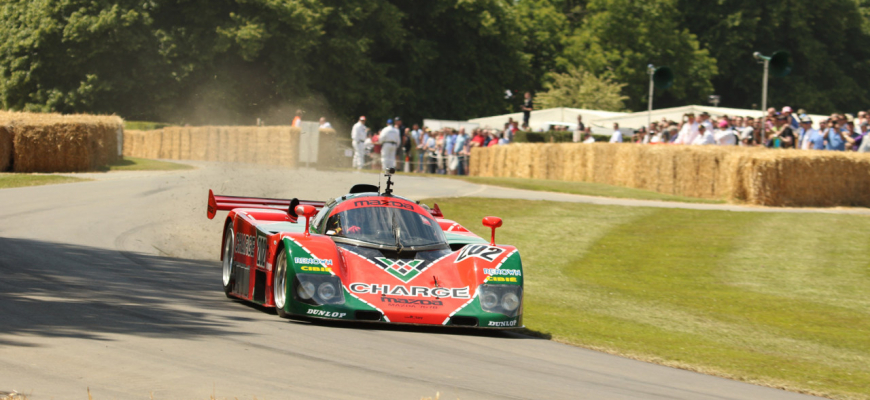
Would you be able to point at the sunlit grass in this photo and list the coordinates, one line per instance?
(772, 298)
(144, 164)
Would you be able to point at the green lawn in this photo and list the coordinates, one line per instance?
(13, 180)
(584, 188)
(144, 164)
(778, 299)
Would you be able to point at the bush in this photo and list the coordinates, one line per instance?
(551, 136)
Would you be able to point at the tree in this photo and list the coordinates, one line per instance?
(231, 61)
(828, 41)
(624, 36)
(579, 88)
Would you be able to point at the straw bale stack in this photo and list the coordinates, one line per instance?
(752, 175)
(61, 143)
(5, 148)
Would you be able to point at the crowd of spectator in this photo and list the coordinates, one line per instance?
(443, 151)
(446, 151)
(778, 129)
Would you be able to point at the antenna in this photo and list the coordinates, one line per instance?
(389, 173)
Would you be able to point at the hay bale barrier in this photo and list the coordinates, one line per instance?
(36, 142)
(790, 178)
(274, 145)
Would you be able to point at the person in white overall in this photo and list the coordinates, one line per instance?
(389, 141)
(358, 136)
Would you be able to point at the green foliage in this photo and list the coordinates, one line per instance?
(623, 36)
(828, 41)
(231, 61)
(579, 88)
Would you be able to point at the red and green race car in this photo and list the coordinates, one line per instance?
(367, 256)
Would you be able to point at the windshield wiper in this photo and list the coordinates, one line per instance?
(397, 233)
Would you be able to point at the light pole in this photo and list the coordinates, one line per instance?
(779, 64)
(766, 61)
(650, 69)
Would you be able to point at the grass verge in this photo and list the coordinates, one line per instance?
(13, 180)
(144, 125)
(581, 188)
(771, 298)
(144, 164)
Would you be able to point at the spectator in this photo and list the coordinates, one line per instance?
(782, 135)
(834, 136)
(528, 106)
(449, 144)
(431, 154)
(810, 138)
(423, 151)
(408, 149)
(358, 139)
(587, 136)
(479, 140)
(616, 137)
(704, 119)
(324, 124)
(375, 152)
(791, 120)
(704, 137)
(389, 141)
(460, 146)
(689, 132)
(725, 136)
(297, 120)
(581, 128)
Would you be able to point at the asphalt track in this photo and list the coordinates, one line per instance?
(114, 285)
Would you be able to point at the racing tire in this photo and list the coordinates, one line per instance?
(279, 284)
(228, 254)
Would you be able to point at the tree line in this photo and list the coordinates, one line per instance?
(232, 61)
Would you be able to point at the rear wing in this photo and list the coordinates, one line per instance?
(227, 203)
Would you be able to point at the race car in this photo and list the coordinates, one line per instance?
(367, 256)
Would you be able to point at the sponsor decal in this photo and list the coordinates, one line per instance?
(412, 302)
(509, 272)
(308, 268)
(501, 279)
(329, 314)
(245, 244)
(304, 260)
(262, 249)
(383, 202)
(482, 251)
(404, 270)
(409, 291)
(502, 323)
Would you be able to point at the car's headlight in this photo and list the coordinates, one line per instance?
(502, 299)
(318, 289)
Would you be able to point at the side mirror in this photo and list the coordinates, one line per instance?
(492, 222)
(307, 212)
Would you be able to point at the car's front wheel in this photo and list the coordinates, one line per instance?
(229, 251)
(279, 284)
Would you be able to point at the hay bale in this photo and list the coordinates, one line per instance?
(60, 143)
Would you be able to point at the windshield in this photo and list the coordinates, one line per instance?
(386, 226)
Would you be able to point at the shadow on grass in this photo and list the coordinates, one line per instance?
(120, 163)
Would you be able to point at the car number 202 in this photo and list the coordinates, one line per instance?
(488, 253)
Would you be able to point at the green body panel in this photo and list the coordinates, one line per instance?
(332, 311)
(484, 318)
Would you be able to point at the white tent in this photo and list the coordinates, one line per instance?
(601, 121)
(540, 118)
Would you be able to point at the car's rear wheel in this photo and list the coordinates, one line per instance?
(279, 284)
(229, 252)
